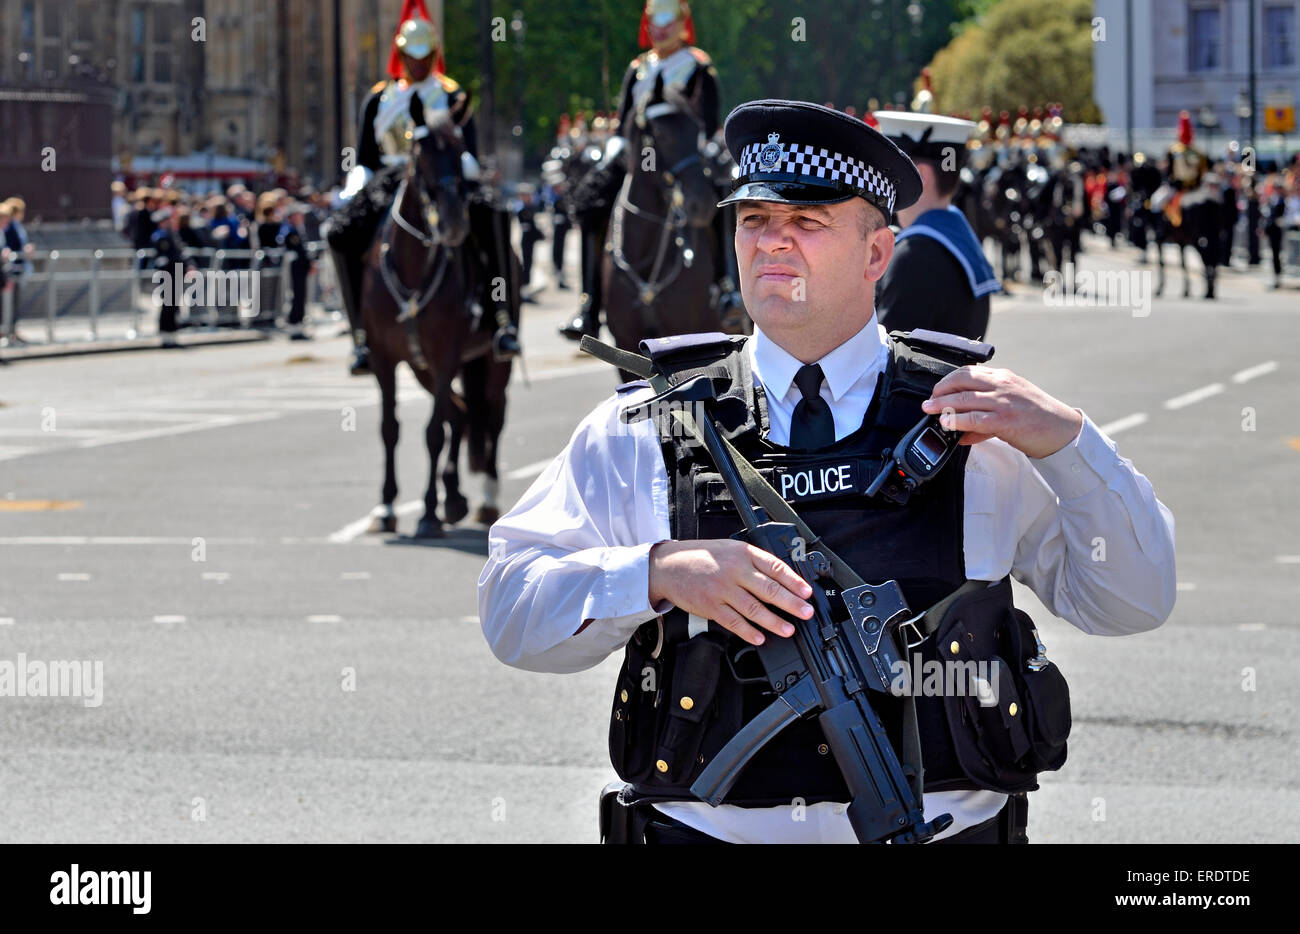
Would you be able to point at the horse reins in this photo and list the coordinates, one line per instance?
(407, 299)
(647, 289)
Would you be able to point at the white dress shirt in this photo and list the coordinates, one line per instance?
(576, 547)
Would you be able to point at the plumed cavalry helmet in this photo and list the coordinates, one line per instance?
(658, 15)
(417, 38)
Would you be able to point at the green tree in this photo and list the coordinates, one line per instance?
(1023, 52)
(576, 51)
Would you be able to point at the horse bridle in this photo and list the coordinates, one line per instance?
(670, 226)
(407, 299)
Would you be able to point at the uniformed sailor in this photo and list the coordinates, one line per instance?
(622, 544)
(383, 149)
(938, 278)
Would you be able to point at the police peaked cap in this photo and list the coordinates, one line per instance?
(801, 153)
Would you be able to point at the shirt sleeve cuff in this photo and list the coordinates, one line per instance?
(625, 585)
(1075, 470)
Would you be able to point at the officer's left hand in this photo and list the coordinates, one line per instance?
(990, 403)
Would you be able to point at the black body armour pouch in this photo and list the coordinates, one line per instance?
(687, 685)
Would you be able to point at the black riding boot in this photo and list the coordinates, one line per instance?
(587, 320)
(491, 231)
(349, 275)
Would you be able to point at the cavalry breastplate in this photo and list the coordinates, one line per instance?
(393, 122)
(1186, 167)
(676, 69)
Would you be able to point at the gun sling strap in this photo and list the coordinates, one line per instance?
(776, 506)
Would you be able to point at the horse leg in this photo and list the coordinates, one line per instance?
(1187, 279)
(1160, 267)
(485, 393)
(429, 525)
(383, 519)
(1209, 259)
(454, 505)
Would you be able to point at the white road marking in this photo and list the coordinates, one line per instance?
(1123, 424)
(528, 470)
(469, 619)
(1251, 372)
(355, 576)
(353, 529)
(169, 619)
(56, 433)
(9, 453)
(325, 618)
(135, 415)
(1251, 627)
(1288, 559)
(178, 429)
(216, 575)
(73, 576)
(24, 540)
(1196, 395)
(6, 620)
(1185, 585)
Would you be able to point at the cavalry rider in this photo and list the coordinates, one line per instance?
(668, 32)
(1187, 167)
(382, 153)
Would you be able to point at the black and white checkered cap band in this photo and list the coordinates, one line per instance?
(817, 162)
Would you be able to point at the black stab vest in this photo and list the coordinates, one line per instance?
(687, 686)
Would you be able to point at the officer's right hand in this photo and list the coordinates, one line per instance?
(729, 582)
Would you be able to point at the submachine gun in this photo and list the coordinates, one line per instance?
(826, 669)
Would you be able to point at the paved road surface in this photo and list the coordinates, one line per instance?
(191, 520)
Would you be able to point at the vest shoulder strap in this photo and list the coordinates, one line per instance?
(917, 361)
(684, 356)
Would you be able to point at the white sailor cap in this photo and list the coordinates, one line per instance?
(925, 135)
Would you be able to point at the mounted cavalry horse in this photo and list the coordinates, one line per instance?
(1189, 211)
(659, 266)
(419, 280)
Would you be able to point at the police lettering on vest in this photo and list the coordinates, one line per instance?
(819, 481)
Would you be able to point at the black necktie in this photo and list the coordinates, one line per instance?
(812, 425)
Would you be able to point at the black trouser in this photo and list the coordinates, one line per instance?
(167, 318)
(298, 270)
(1007, 826)
(15, 297)
(559, 231)
(1274, 235)
(527, 242)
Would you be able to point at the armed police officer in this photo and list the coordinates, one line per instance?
(938, 277)
(622, 542)
(382, 153)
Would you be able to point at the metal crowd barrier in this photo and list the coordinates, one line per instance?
(97, 284)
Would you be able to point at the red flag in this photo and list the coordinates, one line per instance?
(411, 9)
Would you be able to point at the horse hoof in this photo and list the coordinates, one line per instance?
(381, 524)
(486, 515)
(428, 528)
(455, 509)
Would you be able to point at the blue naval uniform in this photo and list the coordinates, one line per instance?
(938, 278)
